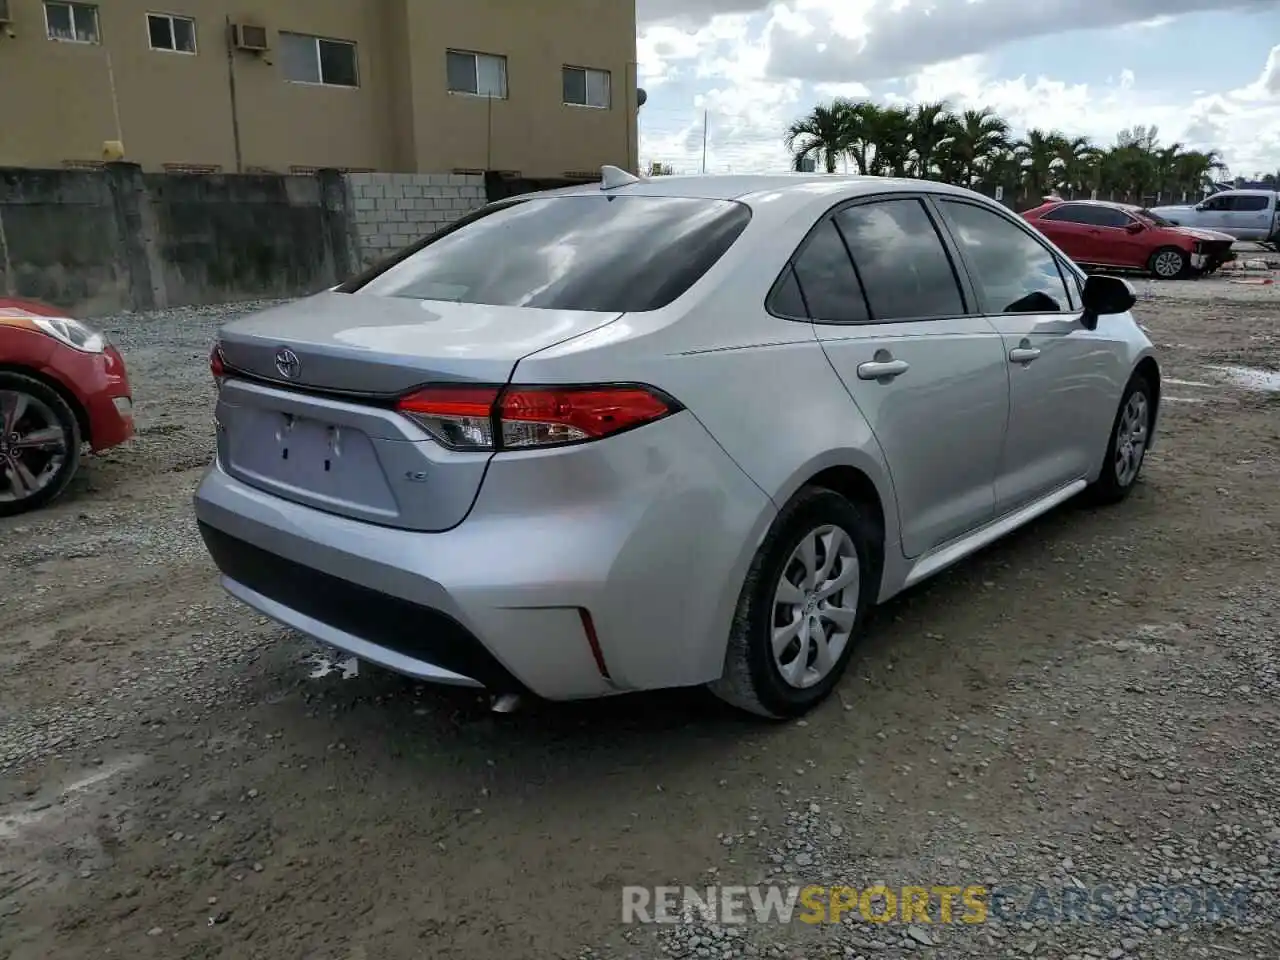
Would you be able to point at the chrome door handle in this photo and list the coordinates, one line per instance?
(1023, 354)
(882, 369)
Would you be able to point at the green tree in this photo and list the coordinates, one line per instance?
(823, 135)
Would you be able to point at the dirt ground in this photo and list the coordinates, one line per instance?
(1092, 701)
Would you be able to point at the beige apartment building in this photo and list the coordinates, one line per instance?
(543, 88)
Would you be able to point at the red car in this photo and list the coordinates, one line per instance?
(1098, 234)
(62, 385)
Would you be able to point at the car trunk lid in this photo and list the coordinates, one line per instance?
(307, 410)
(371, 346)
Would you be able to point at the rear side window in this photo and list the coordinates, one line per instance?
(826, 276)
(1087, 214)
(1071, 213)
(786, 300)
(1065, 214)
(1012, 272)
(901, 262)
(613, 254)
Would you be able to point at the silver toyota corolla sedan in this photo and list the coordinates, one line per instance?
(665, 432)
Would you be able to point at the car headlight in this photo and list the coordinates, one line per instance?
(73, 333)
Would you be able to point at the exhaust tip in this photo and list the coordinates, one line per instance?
(505, 703)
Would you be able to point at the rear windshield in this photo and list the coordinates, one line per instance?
(579, 252)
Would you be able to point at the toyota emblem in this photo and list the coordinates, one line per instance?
(288, 364)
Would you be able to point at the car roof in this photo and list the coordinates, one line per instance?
(1114, 204)
(745, 187)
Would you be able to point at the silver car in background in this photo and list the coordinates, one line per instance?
(666, 432)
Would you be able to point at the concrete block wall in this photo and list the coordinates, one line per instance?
(391, 210)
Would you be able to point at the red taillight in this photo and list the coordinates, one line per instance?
(216, 366)
(460, 418)
(523, 417)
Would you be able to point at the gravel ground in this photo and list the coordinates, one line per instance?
(1088, 703)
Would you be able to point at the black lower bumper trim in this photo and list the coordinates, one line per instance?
(407, 628)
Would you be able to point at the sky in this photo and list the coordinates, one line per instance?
(1205, 72)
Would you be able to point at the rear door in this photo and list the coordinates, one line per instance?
(1249, 216)
(1104, 240)
(1060, 407)
(1068, 227)
(928, 377)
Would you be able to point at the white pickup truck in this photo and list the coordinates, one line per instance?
(1244, 214)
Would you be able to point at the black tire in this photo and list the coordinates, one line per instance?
(65, 418)
(1111, 486)
(752, 680)
(1166, 254)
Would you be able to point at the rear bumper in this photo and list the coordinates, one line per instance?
(649, 532)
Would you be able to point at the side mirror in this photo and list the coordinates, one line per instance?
(1202, 205)
(1133, 226)
(1105, 295)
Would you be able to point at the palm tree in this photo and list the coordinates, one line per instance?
(977, 136)
(1079, 161)
(1040, 153)
(864, 121)
(822, 135)
(890, 129)
(932, 126)
(973, 147)
(1193, 170)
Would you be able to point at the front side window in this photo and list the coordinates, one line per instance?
(584, 87)
(307, 59)
(1012, 272)
(479, 74)
(901, 261)
(75, 22)
(1111, 217)
(167, 32)
(611, 254)
(1218, 203)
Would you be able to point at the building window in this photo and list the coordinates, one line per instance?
(175, 34)
(479, 74)
(74, 22)
(584, 87)
(305, 59)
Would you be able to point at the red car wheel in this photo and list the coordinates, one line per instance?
(39, 444)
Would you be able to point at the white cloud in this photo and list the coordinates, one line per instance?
(743, 110)
(754, 74)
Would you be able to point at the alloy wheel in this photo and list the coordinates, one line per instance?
(33, 446)
(1168, 264)
(1131, 438)
(815, 606)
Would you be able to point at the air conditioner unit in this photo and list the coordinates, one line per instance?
(5, 18)
(248, 36)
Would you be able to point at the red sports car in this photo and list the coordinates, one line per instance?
(62, 385)
(1094, 233)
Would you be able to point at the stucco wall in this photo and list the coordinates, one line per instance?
(119, 239)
